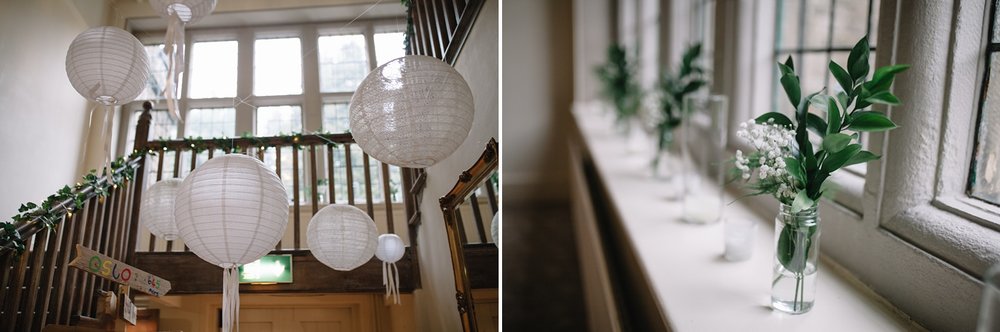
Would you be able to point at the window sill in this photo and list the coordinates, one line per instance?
(692, 282)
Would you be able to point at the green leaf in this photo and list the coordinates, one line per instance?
(842, 76)
(884, 97)
(857, 61)
(844, 100)
(802, 202)
(834, 143)
(794, 168)
(870, 121)
(816, 124)
(790, 83)
(833, 115)
(887, 73)
(778, 118)
(837, 160)
(786, 248)
(863, 93)
(861, 157)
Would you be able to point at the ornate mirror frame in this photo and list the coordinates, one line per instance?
(468, 181)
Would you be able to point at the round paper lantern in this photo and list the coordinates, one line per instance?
(390, 250)
(189, 11)
(342, 236)
(231, 210)
(495, 229)
(107, 65)
(157, 209)
(413, 112)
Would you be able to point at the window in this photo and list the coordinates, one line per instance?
(358, 177)
(343, 62)
(388, 46)
(158, 66)
(815, 32)
(210, 123)
(279, 120)
(336, 118)
(277, 67)
(213, 69)
(984, 173)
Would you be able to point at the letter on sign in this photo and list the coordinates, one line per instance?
(105, 267)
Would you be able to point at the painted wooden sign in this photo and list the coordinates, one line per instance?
(105, 267)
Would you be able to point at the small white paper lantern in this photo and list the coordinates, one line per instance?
(231, 210)
(157, 209)
(342, 236)
(390, 250)
(107, 65)
(413, 112)
(189, 11)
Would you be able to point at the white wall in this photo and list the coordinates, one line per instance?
(538, 91)
(42, 118)
(436, 309)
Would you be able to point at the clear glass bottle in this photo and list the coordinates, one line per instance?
(796, 235)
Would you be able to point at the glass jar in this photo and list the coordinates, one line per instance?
(796, 235)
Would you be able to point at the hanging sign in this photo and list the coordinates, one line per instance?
(105, 267)
(267, 270)
(128, 310)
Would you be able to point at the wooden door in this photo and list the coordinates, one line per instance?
(282, 319)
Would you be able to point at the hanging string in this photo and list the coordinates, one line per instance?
(106, 136)
(230, 299)
(173, 47)
(390, 279)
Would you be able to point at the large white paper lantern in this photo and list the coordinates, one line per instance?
(156, 211)
(231, 210)
(413, 112)
(342, 236)
(390, 249)
(107, 65)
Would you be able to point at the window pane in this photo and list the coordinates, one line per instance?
(277, 67)
(157, 73)
(213, 69)
(336, 118)
(985, 177)
(278, 120)
(817, 23)
(812, 71)
(161, 126)
(388, 46)
(210, 123)
(850, 22)
(788, 30)
(343, 62)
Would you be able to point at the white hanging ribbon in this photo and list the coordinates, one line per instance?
(174, 49)
(230, 299)
(390, 279)
(106, 136)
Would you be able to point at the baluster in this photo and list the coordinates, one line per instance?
(443, 29)
(295, 195)
(159, 176)
(350, 174)
(95, 241)
(368, 185)
(314, 185)
(451, 16)
(65, 256)
(491, 196)
(387, 197)
(436, 46)
(407, 180)
(40, 299)
(13, 301)
(277, 169)
(460, 5)
(329, 173)
(177, 174)
(86, 239)
(479, 218)
(417, 40)
(26, 280)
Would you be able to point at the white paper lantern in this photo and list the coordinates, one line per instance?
(157, 209)
(495, 229)
(231, 210)
(413, 112)
(189, 11)
(342, 236)
(107, 65)
(390, 250)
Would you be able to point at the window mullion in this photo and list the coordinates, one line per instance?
(311, 99)
(182, 103)
(244, 82)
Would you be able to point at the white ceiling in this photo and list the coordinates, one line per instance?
(392, 9)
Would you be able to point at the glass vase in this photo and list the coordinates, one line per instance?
(705, 121)
(796, 234)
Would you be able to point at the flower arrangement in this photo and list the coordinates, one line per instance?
(786, 163)
(673, 88)
(618, 77)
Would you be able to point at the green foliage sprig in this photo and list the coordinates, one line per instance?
(618, 77)
(674, 87)
(847, 115)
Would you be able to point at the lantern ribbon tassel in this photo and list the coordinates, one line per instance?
(173, 47)
(230, 299)
(106, 137)
(390, 279)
